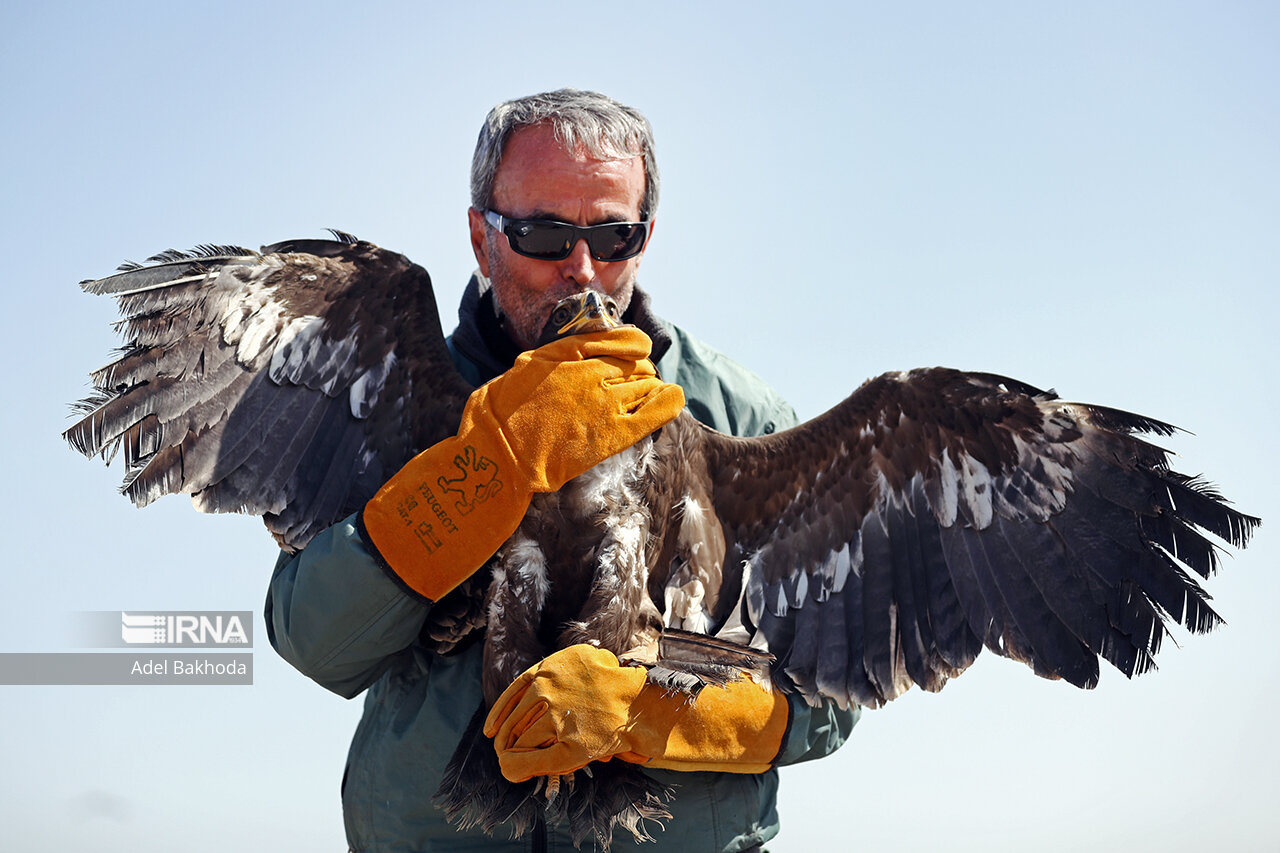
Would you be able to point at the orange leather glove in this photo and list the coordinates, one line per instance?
(558, 411)
(580, 705)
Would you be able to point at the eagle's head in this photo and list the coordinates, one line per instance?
(587, 311)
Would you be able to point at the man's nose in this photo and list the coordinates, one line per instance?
(579, 267)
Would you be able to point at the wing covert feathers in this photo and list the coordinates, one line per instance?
(272, 382)
(935, 512)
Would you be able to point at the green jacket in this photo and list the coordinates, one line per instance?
(336, 616)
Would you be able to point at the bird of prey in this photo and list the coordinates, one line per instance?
(883, 544)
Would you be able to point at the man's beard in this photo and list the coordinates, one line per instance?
(524, 319)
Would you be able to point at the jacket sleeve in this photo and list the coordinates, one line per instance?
(815, 732)
(335, 615)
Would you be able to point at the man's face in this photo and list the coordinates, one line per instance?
(538, 179)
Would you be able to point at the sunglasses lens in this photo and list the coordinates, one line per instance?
(616, 242)
(541, 240)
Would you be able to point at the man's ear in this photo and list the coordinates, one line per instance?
(479, 239)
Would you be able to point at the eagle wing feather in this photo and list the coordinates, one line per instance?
(272, 382)
(935, 512)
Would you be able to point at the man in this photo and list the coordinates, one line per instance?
(348, 610)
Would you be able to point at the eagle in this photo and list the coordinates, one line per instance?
(882, 545)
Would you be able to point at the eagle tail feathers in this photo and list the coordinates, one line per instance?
(474, 793)
(593, 803)
(689, 661)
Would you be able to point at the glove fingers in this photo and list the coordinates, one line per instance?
(557, 760)
(507, 703)
(623, 342)
(620, 368)
(642, 406)
(656, 399)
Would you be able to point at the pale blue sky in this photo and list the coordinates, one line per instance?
(1084, 196)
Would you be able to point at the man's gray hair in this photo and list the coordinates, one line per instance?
(601, 126)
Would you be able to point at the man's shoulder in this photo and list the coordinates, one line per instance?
(719, 391)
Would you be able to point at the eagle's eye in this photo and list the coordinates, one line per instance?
(560, 316)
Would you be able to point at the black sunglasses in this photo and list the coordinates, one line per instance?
(548, 240)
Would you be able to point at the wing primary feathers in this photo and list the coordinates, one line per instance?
(1119, 421)
(1182, 542)
(1199, 503)
(1135, 582)
(1119, 552)
(1059, 614)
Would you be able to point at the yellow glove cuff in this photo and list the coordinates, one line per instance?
(447, 511)
(737, 728)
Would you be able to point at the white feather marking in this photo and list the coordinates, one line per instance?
(842, 569)
(368, 386)
(824, 574)
(855, 554)
(975, 488)
(780, 601)
(684, 607)
(949, 483)
(260, 328)
(295, 349)
(252, 316)
(802, 589)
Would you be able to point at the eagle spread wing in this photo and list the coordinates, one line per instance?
(273, 383)
(935, 512)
